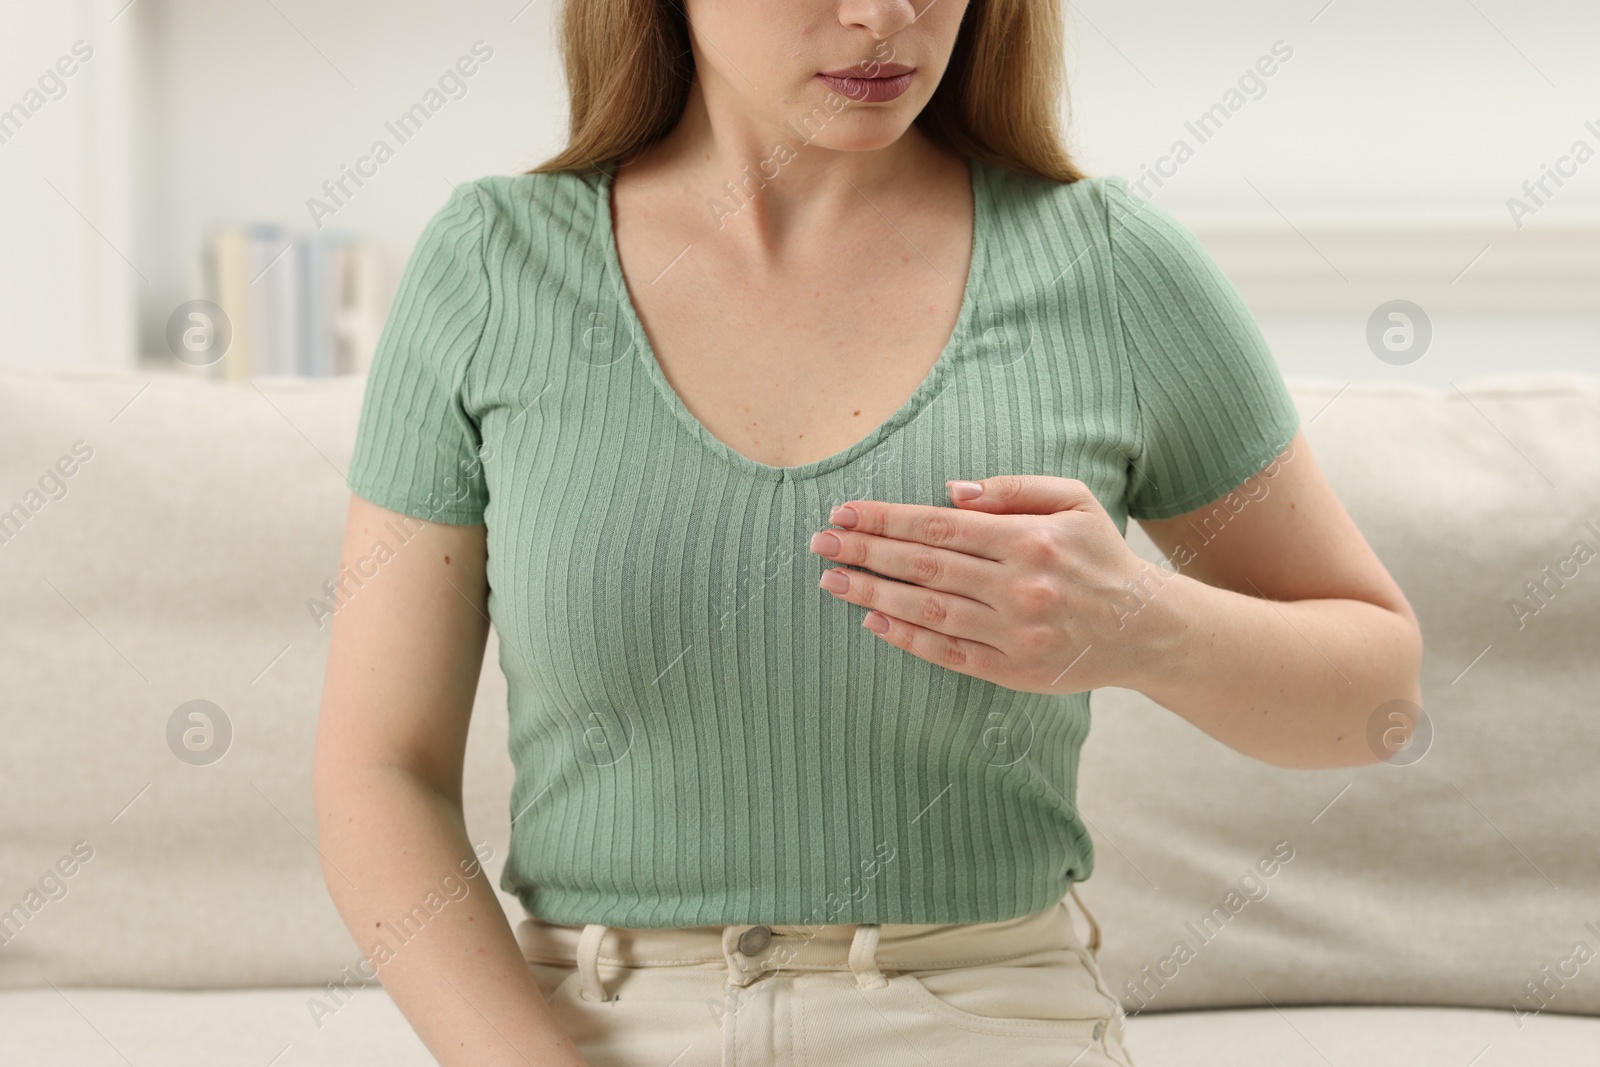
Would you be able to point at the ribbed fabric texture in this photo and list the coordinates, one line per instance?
(701, 735)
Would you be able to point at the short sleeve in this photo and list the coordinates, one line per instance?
(1213, 406)
(417, 445)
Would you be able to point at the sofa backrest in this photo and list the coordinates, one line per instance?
(175, 564)
(176, 561)
(1469, 876)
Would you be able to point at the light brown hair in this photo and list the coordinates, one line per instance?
(629, 68)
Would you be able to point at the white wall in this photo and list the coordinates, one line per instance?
(1377, 164)
(70, 275)
(1421, 106)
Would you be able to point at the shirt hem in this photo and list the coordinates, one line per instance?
(572, 909)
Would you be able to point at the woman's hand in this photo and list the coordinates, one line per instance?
(1028, 584)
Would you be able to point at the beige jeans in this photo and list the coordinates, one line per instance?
(1015, 993)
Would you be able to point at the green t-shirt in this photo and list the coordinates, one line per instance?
(701, 734)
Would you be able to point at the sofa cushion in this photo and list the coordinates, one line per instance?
(1371, 1037)
(1467, 877)
(252, 1028)
(210, 1028)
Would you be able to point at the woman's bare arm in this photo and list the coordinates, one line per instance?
(1282, 634)
(405, 653)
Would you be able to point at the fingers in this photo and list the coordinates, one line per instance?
(942, 650)
(951, 616)
(1024, 494)
(971, 533)
(931, 568)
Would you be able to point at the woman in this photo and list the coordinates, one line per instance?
(787, 426)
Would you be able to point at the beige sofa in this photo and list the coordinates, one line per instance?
(166, 908)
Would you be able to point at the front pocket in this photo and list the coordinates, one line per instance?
(1050, 996)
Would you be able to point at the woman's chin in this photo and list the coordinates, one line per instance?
(862, 132)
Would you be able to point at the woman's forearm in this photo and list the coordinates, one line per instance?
(400, 868)
(1292, 683)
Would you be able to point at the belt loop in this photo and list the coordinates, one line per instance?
(864, 957)
(590, 987)
(1094, 927)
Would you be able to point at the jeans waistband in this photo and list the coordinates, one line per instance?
(752, 950)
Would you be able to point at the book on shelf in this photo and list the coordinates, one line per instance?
(299, 304)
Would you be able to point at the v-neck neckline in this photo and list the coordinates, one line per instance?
(925, 391)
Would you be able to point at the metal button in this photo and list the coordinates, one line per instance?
(1099, 1028)
(753, 940)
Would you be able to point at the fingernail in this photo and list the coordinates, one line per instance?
(843, 515)
(835, 581)
(825, 544)
(964, 490)
(878, 624)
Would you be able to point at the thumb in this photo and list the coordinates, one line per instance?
(1023, 494)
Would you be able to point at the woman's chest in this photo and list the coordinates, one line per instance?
(790, 380)
(626, 547)
(788, 371)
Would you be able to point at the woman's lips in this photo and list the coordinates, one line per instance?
(889, 83)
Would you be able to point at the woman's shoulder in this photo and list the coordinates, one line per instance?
(544, 187)
(1024, 190)
(1074, 211)
(1103, 210)
(528, 210)
(538, 226)
(521, 206)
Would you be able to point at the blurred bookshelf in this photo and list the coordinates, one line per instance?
(278, 303)
(308, 305)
